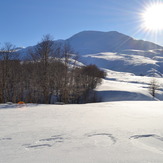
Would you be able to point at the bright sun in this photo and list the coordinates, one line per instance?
(152, 17)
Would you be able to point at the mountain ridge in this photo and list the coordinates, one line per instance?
(90, 42)
(114, 51)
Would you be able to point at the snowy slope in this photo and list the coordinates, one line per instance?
(115, 51)
(90, 42)
(137, 62)
(121, 86)
(123, 132)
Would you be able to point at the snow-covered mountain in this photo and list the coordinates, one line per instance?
(90, 42)
(115, 51)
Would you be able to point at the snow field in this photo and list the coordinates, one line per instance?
(102, 132)
(121, 86)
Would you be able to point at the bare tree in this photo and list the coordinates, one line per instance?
(43, 51)
(153, 87)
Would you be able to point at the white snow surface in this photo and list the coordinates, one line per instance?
(121, 86)
(147, 63)
(108, 132)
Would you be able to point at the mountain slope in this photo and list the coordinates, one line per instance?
(134, 62)
(114, 51)
(89, 42)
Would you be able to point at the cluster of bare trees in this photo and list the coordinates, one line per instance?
(9, 73)
(49, 75)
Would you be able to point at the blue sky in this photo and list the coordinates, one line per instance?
(24, 22)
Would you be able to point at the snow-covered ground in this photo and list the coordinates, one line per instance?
(121, 86)
(148, 63)
(109, 132)
(129, 74)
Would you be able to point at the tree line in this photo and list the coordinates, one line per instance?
(49, 74)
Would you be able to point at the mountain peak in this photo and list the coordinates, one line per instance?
(88, 42)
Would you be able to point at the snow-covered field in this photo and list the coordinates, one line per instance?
(129, 74)
(109, 132)
(121, 86)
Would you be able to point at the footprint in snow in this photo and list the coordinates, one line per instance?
(5, 139)
(48, 142)
(150, 142)
(39, 145)
(55, 138)
(102, 139)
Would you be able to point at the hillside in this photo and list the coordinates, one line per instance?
(90, 42)
(138, 62)
(115, 51)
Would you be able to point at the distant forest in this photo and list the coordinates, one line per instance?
(49, 74)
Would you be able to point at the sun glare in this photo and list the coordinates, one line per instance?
(152, 17)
